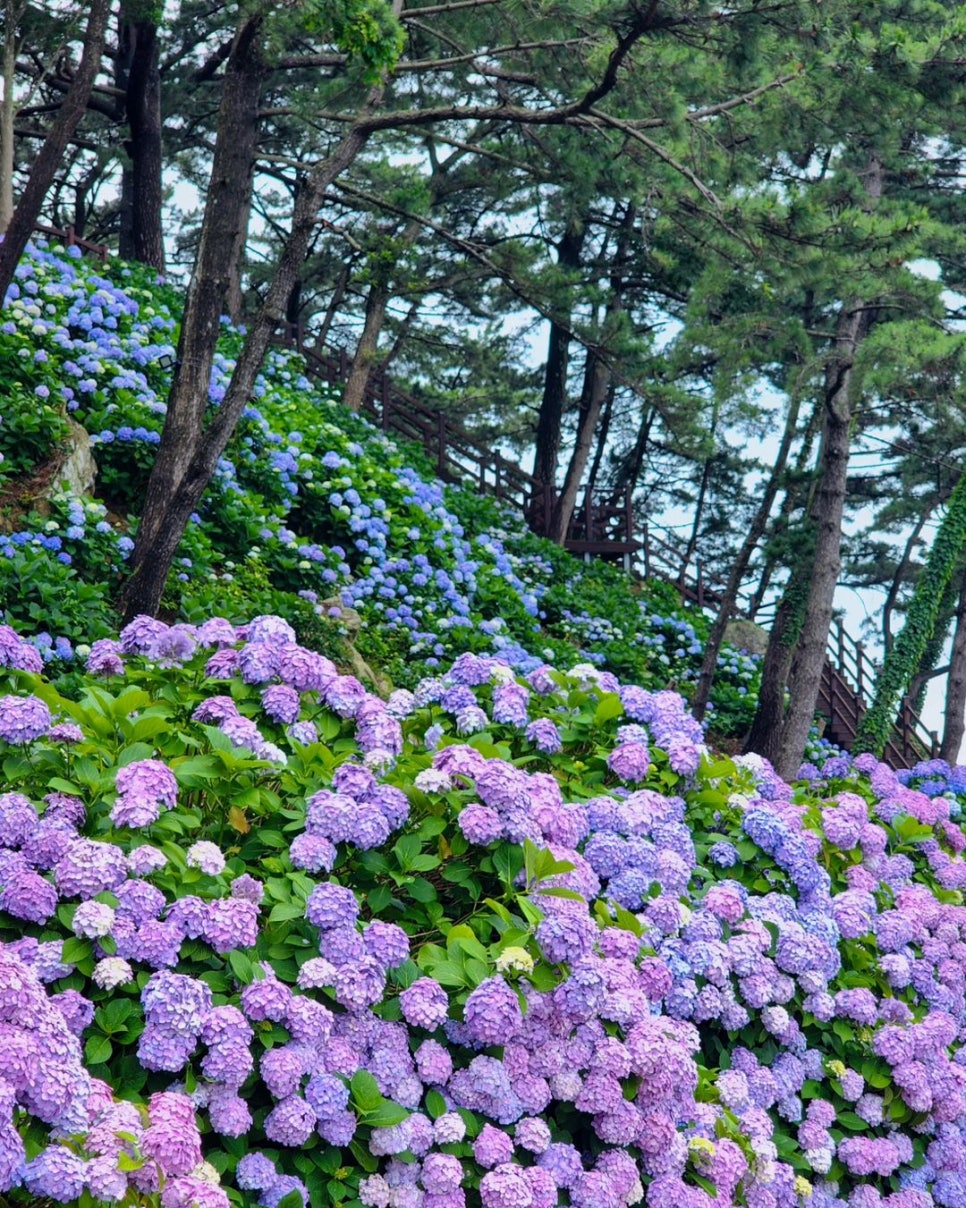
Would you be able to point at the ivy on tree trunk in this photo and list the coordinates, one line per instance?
(904, 659)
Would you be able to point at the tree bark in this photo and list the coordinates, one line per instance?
(629, 470)
(363, 359)
(12, 13)
(780, 731)
(235, 297)
(798, 476)
(955, 711)
(597, 383)
(796, 651)
(597, 388)
(554, 401)
(759, 524)
(810, 651)
(142, 104)
(27, 211)
(602, 435)
(166, 514)
(204, 305)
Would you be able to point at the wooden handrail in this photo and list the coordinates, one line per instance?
(596, 528)
(849, 669)
(605, 529)
(71, 239)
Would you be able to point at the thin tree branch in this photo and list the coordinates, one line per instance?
(413, 14)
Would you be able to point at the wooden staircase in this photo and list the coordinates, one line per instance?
(597, 529)
(600, 529)
(848, 675)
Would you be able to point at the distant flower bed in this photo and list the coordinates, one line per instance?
(311, 510)
(510, 940)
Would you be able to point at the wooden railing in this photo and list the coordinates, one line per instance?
(607, 530)
(69, 239)
(848, 676)
(597, 528)
(911, 738)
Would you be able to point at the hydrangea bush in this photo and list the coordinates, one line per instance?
(511, 940)
(311, 509)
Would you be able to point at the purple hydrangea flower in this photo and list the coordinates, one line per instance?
(23, 719)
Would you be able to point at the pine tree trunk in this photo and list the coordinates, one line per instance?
(759, 524)
(204, 305)
(805, 676)
(782, 523)
(955, 711)
(8, 111)
(377, 303)
(143, 110)
(166, 515)
(235, 296)
(796, 652)
(598, 387)
(597, 380)
(354, 394)
(48, 159)
(602, 436)
(553, 404)
(765, 735)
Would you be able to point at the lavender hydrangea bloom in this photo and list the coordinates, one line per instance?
(23, 719)
(331, 905)
(105, 658)
(424, 1003)
(630, 761)
(281, 703)
(89, 868)
(145, 787)
(231, 923)
(206, 856)
(56, 1173)
(492, 1011)
(544, 735)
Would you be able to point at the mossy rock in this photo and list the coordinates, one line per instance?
(746, 635)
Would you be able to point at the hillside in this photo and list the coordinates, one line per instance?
(312, 511)
(511, 935)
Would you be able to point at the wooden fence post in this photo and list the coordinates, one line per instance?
(385, 401)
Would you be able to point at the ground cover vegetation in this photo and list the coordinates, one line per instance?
(390, 867)
(312, 510)
(276, 932)
(508, 939)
